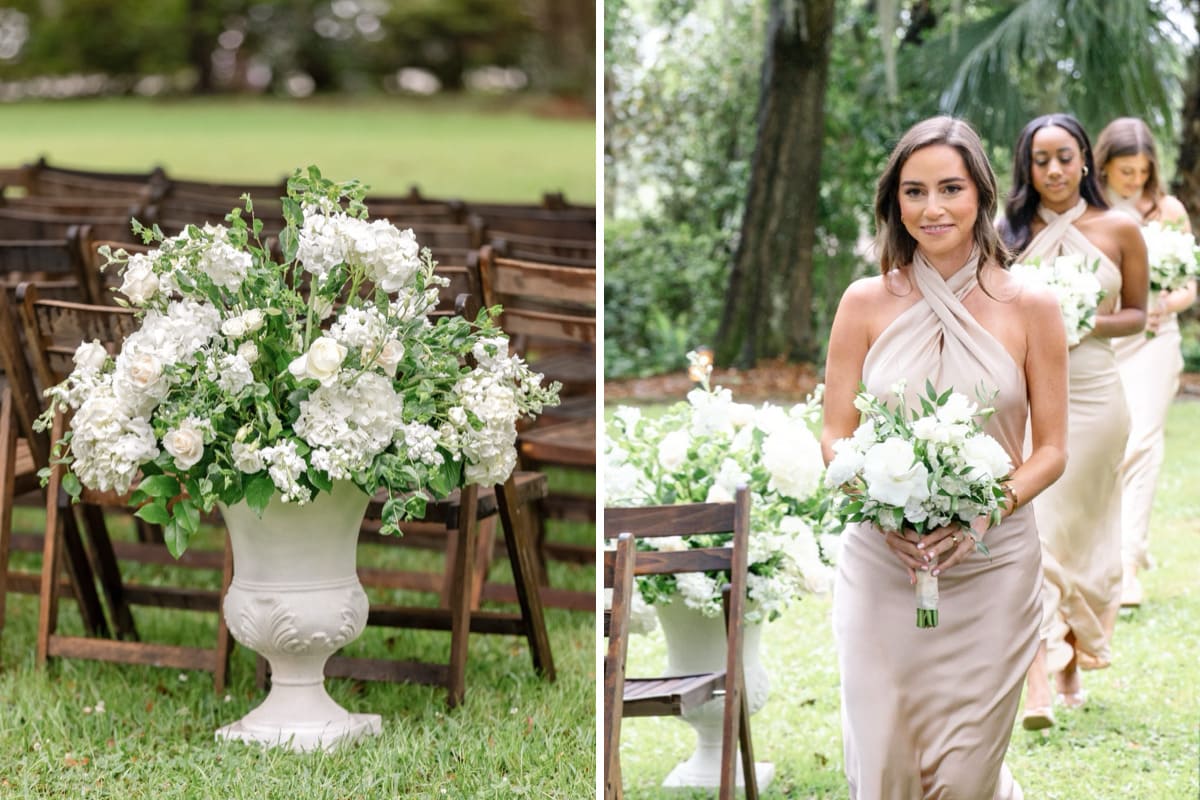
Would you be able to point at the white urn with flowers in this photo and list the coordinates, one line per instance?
(700, 451)
(292, 388)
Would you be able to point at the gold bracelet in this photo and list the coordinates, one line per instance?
(1013, 499)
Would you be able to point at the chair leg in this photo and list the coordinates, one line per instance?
(747, 749)
(8, 487)
(48, 596)
(461, 571)
(81, 577)
(109, 572)
(518, 538)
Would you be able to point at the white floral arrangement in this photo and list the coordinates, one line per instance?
(921, 470)
(1073, 283)
(701, 451)
(250, 376)
(1173, 255)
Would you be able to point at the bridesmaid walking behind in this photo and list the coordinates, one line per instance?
(1150, 365)
(1056, 207)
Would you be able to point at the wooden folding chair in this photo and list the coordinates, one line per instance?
(674, 696)
(550, 315)
(462, 587)
(24, 451)
(53, 330)
(58, 260)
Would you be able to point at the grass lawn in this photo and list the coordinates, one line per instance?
(476, 148)
(1136, 738)
(90, 729)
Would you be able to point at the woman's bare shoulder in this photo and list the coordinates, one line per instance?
(1171, 210)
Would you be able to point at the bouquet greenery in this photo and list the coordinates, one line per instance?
(923, 470)
(1075, 285)
(700, 451)
(250, 375)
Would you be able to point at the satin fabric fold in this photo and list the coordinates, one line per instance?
(927, 713)
(1079, 515)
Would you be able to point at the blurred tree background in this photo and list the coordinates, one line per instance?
(297, 47)
(690, 90)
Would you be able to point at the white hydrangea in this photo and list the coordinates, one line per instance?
(109, 444)
(349, 422)
(792, 455)
(221, 261)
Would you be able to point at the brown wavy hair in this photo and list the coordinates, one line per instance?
(894, 243)
(1130, 136)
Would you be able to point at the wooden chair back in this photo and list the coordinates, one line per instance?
(58, 260)
(42, 179)
(566, 252)
(661, 696)
(53, 331)
(20, 223)
(498, 222)
(541, 301)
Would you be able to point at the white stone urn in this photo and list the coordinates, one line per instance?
(696, 643)
(296, 599)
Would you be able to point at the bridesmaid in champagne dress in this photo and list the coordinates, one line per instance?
(1149, 365)
(928, 712)
(1056, 208)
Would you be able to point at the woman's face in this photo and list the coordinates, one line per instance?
(1127, 175)
(1056, 168)
(939, 203)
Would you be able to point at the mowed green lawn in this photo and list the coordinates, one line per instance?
(482, 149)
(1136, 738)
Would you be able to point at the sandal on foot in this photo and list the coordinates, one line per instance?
(1038, 718)
(1073, 699)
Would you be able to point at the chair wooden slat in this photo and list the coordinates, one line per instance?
(675, 695)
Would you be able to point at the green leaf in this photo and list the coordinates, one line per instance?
(160, 486)
(258, 492)
(320, 480)
(176, 537)
(155, 513)
(71, 485)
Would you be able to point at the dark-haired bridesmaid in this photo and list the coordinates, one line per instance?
(1056, 207)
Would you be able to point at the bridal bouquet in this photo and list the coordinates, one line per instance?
(700, 451)
(1173, 256)
(251, 375)
(1074, 284)
(923, 470)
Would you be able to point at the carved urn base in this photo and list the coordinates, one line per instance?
(696, 643)
(295, 599)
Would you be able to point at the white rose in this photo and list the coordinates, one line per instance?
(248, 351)
(90, 355)
(985, 458)
(234, 327)
(254, 320)
(144, 370)
(672, 450)
(389, 356)
(957, 409)
(892, 474)
(140, 283)
(186, 445)
(322, 361)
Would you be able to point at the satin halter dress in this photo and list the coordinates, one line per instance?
(1150, 368)
(927, 713)
(1079, 515)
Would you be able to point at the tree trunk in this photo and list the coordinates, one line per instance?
(1186, 185)
(768, 306)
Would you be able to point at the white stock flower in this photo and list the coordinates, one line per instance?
(892, 473)
(322, 362)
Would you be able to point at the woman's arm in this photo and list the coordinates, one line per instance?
(1135, 281)
(1046, 378)
(849, 340)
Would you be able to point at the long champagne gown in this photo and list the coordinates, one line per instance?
(1079, 515)
(1150, 368)
(927, 713)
